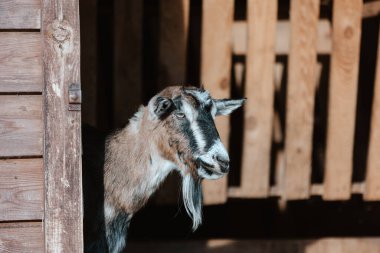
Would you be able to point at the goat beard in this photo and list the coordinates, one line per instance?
(192, 198)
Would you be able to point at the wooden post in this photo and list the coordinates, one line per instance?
(347, 15)
(372, 181)
(300, 97)
(216, 54)
(62, 156)
(259, 90)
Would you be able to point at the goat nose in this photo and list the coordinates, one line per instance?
(224, 163)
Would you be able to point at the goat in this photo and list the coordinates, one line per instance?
(174, 132)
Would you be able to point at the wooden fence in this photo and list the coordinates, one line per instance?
(259, 40)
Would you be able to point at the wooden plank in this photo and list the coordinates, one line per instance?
(371, 9)
(259, 89)
(302, 65)
(127, 59)
(22, 237)
(174, 26)
(325, 245)
(216, 54)
(62, 156)
(282, 45)
(89, 59)
(20, 62)
(342, 98)
(21, 189)
(20, 14)
(372, 180)
(20, 125)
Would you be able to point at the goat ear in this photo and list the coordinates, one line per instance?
(163, 106)
(227, 106)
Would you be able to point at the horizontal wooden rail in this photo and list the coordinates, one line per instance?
(20, 14)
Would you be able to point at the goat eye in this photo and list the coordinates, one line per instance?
(180, 115)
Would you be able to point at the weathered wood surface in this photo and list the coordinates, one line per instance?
(63, 172)
(216, 54)
(342, 98)
(20, 62)
(302, 66)
(128, 59)
(259, 89)
(174, 26)
(22, 237)
(372, 181)
(21, 189)
(327, 245)
(20, 125)
(283, 31)
(20, 14)
(371, 9)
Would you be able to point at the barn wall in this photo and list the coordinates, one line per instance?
(21, 124)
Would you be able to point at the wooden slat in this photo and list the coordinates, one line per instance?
(325, 245)
(22, 237)
(259, 89)
(300, 98)
(282, 45)
(372, 181)
(127, 59)
(342, 98)
(174, 26)
(62, 153)
(20, 62)
(21, 189)
(371, 9)
(216, 54)
(20, 125)
(20, 14)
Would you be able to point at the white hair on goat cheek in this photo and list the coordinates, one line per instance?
(192, 199)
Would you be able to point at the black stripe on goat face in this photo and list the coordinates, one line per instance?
(198, 126)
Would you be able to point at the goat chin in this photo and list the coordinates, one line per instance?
(192, 198)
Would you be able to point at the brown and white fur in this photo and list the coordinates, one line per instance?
(174, 132)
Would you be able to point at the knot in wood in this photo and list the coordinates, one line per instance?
(61, 31)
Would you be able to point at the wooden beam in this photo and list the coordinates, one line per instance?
(20, 14)
(342, 98)
(259, 89)
(325, 245)
(21, 237)
(371, 9)
(216, 54)
(20, 61)
(21, 189)
(372, 180)
(302, 70)
(62, 164)
(21, 125)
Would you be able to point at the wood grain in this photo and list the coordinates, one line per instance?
(20, 62)
(20, 14)
(372, 181)
(342, 98)
(62, 156)
(216, 51)
(21, 189)
(20, 125)
(259, 89)
(128, 59)
(22, 237)
(302, 66)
